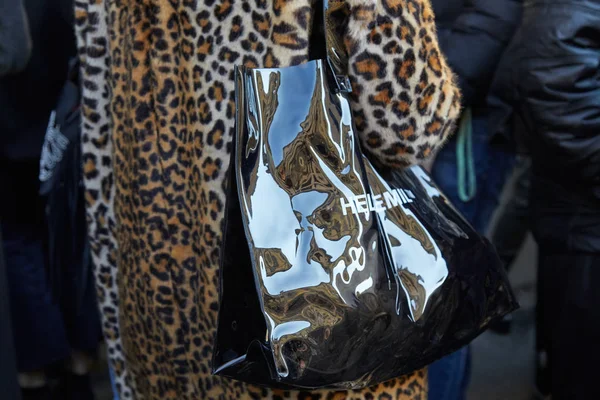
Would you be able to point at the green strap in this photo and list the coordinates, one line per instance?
(465, 165)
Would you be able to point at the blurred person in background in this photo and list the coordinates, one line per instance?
(512, 224)
(548, 86)
(473, 35)
(43, 336)
(15, 50)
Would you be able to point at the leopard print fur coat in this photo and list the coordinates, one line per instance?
(158, 105)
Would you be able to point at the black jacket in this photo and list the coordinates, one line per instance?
(26, 101)
(472, 35)
(27, 98)
(15, 43)
(548, 85)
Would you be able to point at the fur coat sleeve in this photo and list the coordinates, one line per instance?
(405, 99)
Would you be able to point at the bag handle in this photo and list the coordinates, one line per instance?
(334, 12)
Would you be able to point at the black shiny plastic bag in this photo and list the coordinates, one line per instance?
(332, 274)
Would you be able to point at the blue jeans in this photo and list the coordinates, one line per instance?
(44, 330)
(112, 382)
(38, 327)
(449, 377)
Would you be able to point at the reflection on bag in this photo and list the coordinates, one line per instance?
(334, 275)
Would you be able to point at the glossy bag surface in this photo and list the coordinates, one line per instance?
(334, 274)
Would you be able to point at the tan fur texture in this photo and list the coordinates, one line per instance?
(91, 28)
(405, 99)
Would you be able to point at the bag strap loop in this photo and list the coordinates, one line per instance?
(467, 182)
(327, 32)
